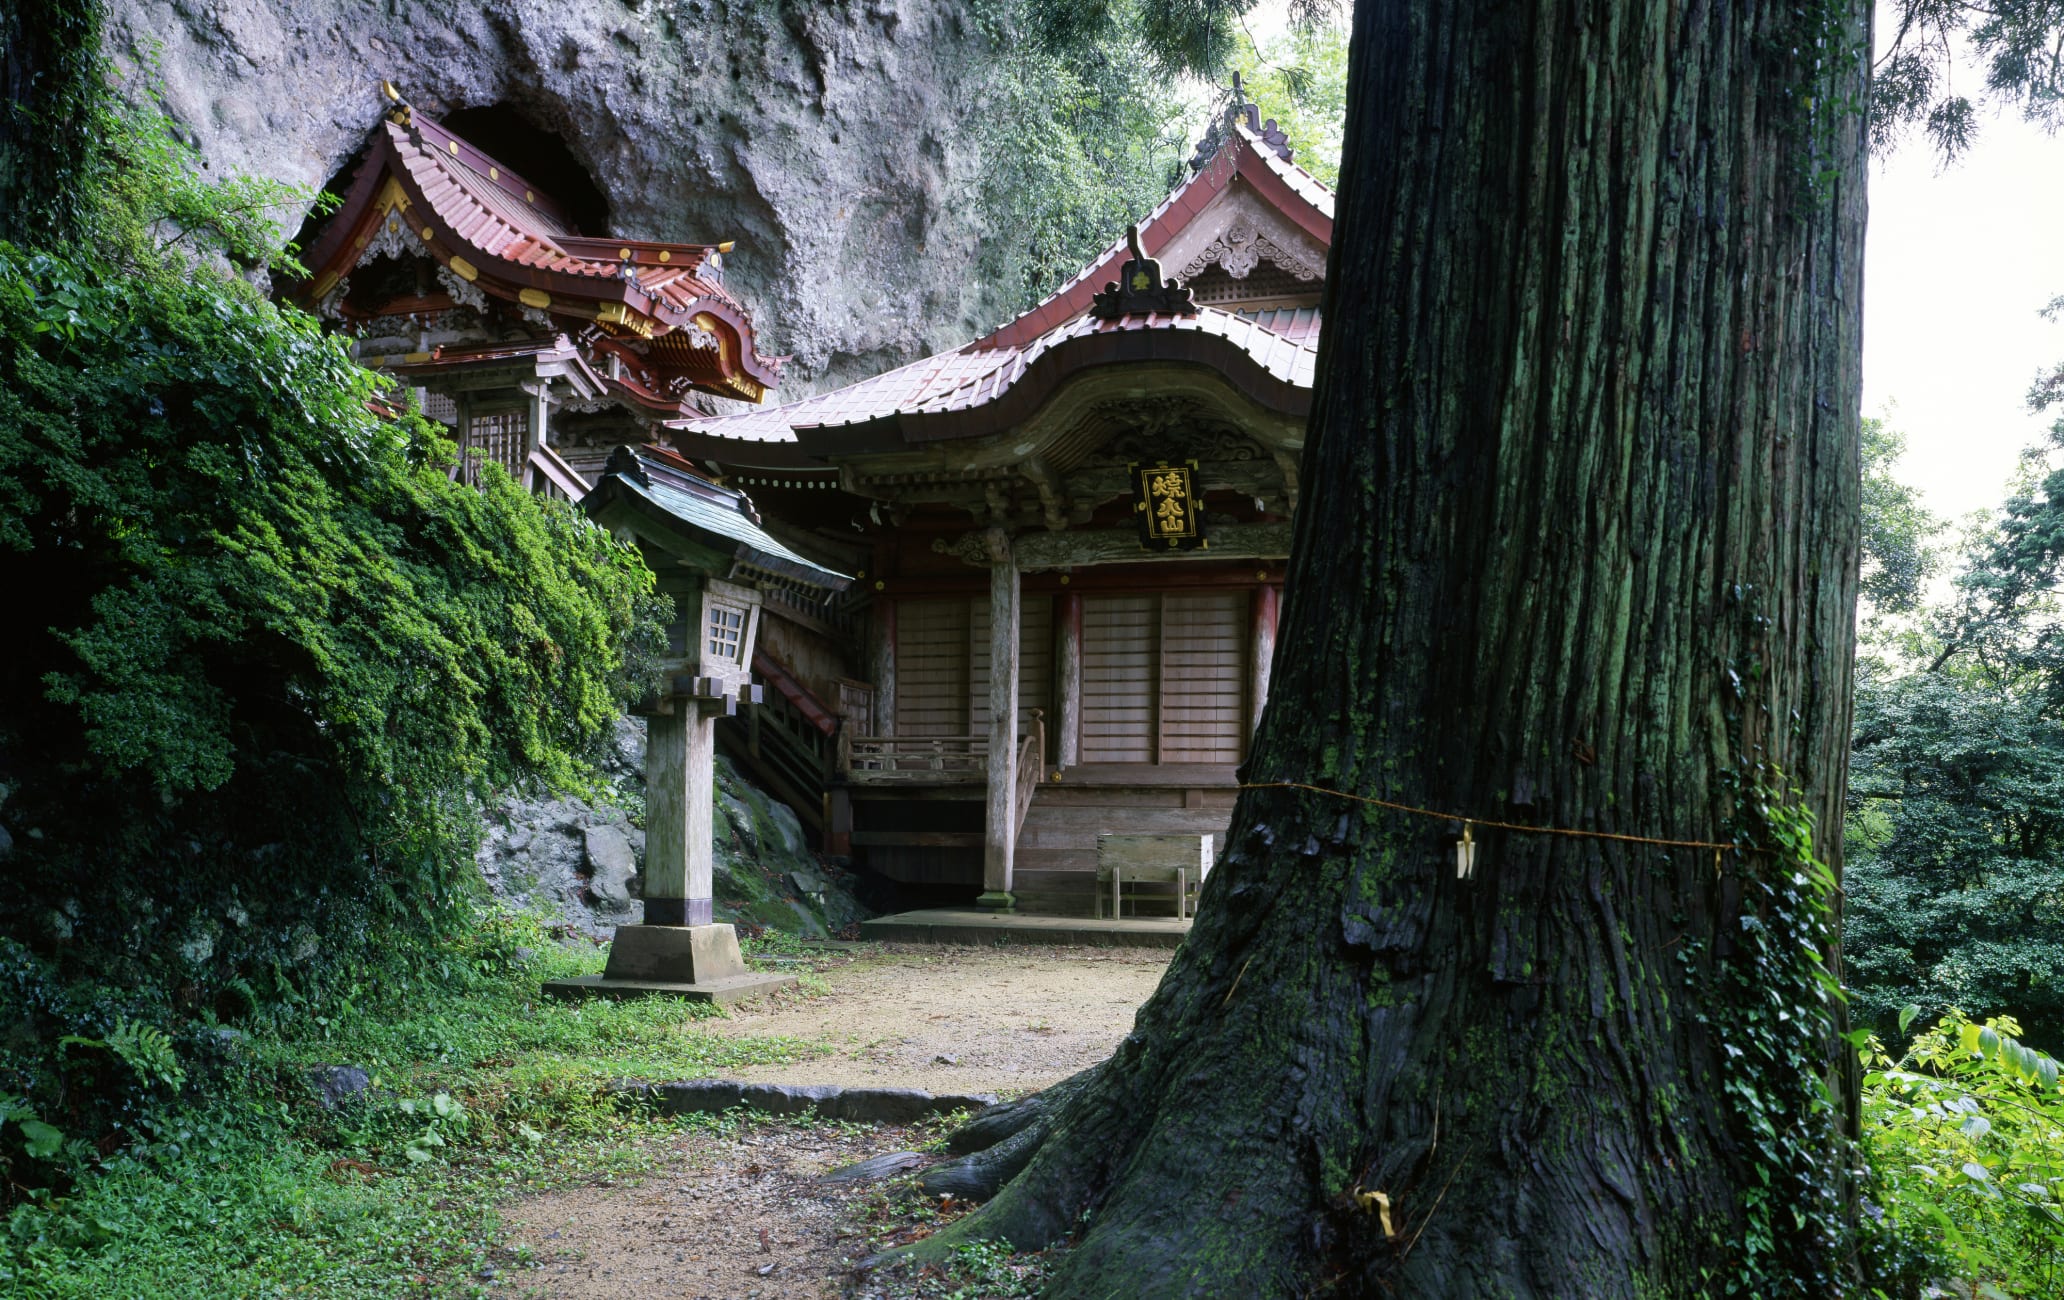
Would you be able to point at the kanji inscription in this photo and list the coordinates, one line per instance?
(1166, 501)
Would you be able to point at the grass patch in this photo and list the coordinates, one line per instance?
(482, 1089)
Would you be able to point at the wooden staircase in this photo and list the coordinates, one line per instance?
(1057, 849)
(787, 744)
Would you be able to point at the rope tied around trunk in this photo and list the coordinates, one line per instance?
(1468, 822)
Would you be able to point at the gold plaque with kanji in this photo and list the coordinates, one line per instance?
(1167, 503)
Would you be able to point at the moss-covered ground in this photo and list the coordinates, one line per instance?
(247, 1185)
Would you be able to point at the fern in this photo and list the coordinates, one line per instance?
(145, 1049)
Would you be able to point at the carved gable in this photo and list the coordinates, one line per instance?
(1240, 233)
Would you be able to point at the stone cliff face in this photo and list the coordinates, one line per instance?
(830, 139)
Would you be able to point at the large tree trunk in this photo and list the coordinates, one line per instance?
(1578, 549)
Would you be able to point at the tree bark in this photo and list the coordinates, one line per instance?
(1578, 549)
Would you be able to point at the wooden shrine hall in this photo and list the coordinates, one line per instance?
(543, 347)
(1068, 538)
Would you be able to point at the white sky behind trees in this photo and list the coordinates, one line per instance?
(1958, 262)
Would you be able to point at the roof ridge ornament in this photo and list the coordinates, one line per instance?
(625, 461)
(1244, 112)
(1140, 288)
(403, 113)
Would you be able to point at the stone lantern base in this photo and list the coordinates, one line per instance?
(698, 962)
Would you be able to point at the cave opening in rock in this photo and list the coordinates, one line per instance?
(503, 132)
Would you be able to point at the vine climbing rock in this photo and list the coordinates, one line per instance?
(1578, 551)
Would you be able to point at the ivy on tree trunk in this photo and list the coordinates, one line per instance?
(1579, 550)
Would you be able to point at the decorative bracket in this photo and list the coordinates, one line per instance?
(1140, 289)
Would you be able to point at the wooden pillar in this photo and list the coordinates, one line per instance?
(1000, 822)
(539, 391)
(884, 667)
(462, 431)
(1261, 651)
(540, 415)
(700, 778)
(667, 837)
(1068, 679)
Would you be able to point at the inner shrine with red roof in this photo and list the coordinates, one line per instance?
(541, 345)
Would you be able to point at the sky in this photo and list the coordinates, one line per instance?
(1958, 261)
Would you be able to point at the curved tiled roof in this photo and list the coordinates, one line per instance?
(492, 227)
(1281, 343)
(975, 376)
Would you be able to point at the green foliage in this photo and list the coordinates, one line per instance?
(264, 651)
(50, 150)
(1898, 559)
(1775, 1008)
(1080, 141)
(2020, 44)
(1953, 842)
(481, 1090)
(1953, 835)
(145, 1049)
(1965, 1133)
(1300, 80)
(1197, 37)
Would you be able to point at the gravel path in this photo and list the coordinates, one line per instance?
(727, 1217)
(744, 1217)
(954, 1019)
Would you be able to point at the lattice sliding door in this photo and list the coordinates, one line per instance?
(1120, 663)
(1203, 677)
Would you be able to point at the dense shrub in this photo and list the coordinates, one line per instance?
(260, 650)
(1965, 1133)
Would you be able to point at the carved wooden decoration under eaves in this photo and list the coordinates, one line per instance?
(1251, 233)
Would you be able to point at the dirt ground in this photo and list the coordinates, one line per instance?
(745, 1217)
(726, 1218)
(957, 1019)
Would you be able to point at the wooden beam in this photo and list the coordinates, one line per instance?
(1122, 546)
(884, 627)
(918, 839)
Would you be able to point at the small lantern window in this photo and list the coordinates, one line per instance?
(726, 632)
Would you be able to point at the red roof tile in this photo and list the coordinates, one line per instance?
(1283, 343)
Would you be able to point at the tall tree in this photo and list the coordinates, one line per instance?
(1580, 553)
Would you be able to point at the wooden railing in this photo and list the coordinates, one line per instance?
(1031, 769)
(787, 742)
(913, 758)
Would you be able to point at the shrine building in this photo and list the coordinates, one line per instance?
(1068, 538)
(541, 346)
(1003, 600)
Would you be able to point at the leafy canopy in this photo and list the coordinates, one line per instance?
(2018, 43)
(1954, 893)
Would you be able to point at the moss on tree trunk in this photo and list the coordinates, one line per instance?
(1579, 550)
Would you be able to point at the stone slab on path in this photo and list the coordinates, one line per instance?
(722, 992)
(829, 1101)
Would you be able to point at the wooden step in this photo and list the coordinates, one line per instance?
(1051, 796)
